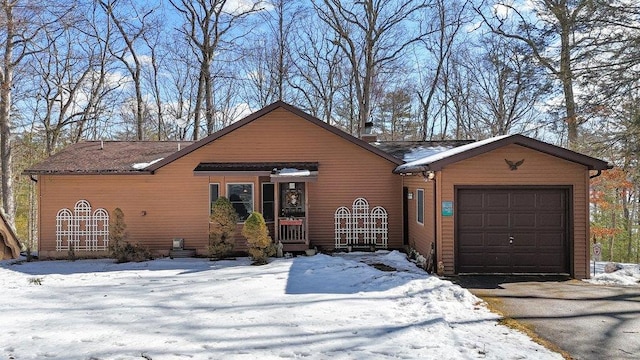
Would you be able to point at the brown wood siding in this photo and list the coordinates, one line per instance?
(538, 169)
(421, 235)
(176, 201)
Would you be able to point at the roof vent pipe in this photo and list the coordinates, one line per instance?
(101, 144)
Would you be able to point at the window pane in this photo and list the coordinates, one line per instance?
(241, 197)
(268, 198)
(420, 204)
(214, 193)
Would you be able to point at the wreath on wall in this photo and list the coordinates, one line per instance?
(293, 198)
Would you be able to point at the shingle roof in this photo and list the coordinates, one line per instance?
(414, 150)
(107, 157)
(436, 161)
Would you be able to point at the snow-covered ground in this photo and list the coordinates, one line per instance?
(629, 275)
(318, 307)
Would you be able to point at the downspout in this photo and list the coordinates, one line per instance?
(435, 227)
(596, 174)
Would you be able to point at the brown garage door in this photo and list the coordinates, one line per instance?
(512, 230)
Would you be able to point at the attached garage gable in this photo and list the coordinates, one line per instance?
(512, 230)
(509, 204)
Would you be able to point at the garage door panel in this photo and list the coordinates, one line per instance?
(551, 220)
(523, 220)
(551, 200)
(469, 239)
(497, 200)
(551, 240)
(523, 200)
(535, 218)
(471, 220)
(497, 239)
(500, 219)
(471, 200)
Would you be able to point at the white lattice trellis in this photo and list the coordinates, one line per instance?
(360, 227)
(81, 229)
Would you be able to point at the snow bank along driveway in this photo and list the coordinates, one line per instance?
(318, 307)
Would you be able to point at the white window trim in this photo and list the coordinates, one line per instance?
(253, 194)
(418, 206)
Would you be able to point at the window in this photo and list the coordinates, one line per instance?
(214, 193)
(420, 206)
(268, 201)
(241, 197)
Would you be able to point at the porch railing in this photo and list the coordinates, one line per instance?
(292, 229)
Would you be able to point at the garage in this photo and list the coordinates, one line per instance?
(513, 230)
(504, 205)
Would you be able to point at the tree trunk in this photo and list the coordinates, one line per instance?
(566, 76)
(5, 119)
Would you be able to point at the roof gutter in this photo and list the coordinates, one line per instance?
(416, 169)
(596, 174)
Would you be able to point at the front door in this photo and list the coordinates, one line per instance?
(292, 220)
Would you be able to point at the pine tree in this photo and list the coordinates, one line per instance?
(258, 239)
(121, 249)
(222, 228)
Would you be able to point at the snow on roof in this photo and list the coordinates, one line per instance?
(421, 152)
(140, 166)
(293, 172)
(433, 157)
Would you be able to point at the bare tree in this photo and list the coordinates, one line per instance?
(153, 73)
(281, 21)
(556, 32)
(371, 34)
(131, 29)
(93, 34)
(209, 26)
(20, 23)
(180, 85)
(319, 71)
(444, 24)
(507, 87)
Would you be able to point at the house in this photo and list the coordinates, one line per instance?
(9, 244)
(506, 204)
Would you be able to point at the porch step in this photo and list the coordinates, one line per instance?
(184, 253)
(294, 247)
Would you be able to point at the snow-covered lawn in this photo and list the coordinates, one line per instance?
(318, 307)
(629, 275)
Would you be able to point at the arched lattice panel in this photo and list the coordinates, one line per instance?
(379, 226)
(360, 227)
(342, 227)
(64, 221)
(82, 229)
(100, 234)
(360, 222)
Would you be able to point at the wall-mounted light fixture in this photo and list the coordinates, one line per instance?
(428, 175)
(143, 212)
(410, 195)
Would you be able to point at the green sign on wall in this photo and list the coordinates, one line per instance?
(447, 208)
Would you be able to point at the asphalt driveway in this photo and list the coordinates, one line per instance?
(586, 321)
